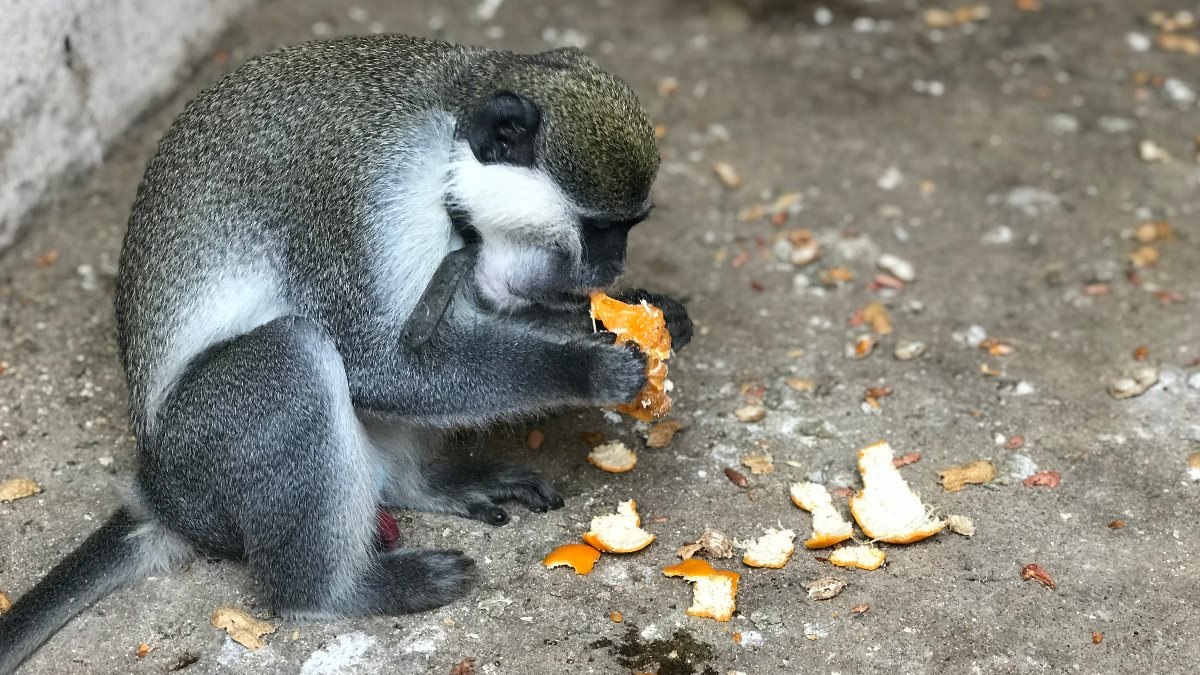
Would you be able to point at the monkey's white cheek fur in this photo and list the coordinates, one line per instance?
(511, 202)
(507, 273)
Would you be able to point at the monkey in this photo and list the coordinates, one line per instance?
(340, 253)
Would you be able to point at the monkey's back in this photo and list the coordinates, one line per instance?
(253, 206)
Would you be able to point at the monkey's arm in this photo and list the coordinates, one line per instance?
(490, 370)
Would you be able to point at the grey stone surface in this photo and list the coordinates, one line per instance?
(75, 73)
(1014, 221)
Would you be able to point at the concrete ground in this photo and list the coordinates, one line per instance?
(1000, 158)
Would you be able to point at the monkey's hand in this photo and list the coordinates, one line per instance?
(675, 314)
(615, 373)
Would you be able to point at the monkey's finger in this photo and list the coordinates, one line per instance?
(603, 337)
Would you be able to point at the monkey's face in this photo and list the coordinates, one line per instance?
(552, 175)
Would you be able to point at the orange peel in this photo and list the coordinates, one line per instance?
(886, 508)
(713, 591)
(863, 557)
(619, 532)
(829, 527)
(644, 325)
(613, 457)
(579, 557)
(773, 549)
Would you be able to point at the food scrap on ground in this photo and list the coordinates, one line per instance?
(1048, 479)
(1038, 573)
(18, 488)
(464, 667)
(829, 527)
(864, 557)
(907, 350)
(713, 543)
(645, 326)
(660, 435)
(737, 477)
(824, 588)
(961, 525)
(886, 508)
(142, 650)
(619, 532)
(750, 413)
(241, 627)
(773, 549)
(613, 457)
(1133, 384)
(579, 557)
(861, 348)
(714, 591)
(955, 478)
(759, 464)
(5, 603)
(728, 175)
(876, 316)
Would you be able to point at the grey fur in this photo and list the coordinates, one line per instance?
(282, 235)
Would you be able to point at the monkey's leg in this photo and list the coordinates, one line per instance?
(419, 480)
(260, 454)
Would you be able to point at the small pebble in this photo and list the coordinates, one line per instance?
(728, 175)
(907, 350)
(1134, 384)
(891, 179)
(1149, 151)
(1137, 42)
(750, 413)
(897, 267)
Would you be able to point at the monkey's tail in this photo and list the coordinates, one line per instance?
(123, 550)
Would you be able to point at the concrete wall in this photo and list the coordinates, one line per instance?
(75, 73)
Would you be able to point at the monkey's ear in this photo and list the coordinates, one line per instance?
(502, 129)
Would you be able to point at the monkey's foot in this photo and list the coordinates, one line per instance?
(482, 487)
(414, 580)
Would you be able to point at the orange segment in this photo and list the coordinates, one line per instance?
(645, 326)
(579, 557)
(641, 323)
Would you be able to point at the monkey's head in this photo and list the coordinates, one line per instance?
(553, 166)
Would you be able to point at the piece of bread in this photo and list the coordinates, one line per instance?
(613, 457)
(886, 508)
(579, 557)
(644, 325)
(829, 527)
(773, 549)
(863, 557)
(619, 532)
(713, 591)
